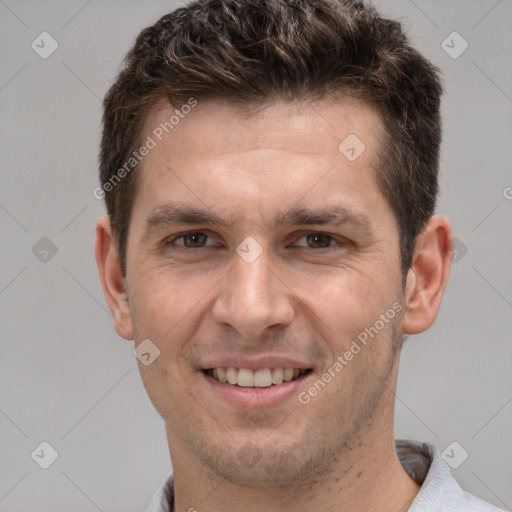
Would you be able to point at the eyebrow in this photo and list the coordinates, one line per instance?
(169, 214)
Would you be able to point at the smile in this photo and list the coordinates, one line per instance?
(261, 378)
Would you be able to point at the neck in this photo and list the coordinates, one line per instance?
(367, 476)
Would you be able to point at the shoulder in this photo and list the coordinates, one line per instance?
(163, 499)
(439, 491)
(465, 502)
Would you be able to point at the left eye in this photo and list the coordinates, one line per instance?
(192, 240)
(316, 241)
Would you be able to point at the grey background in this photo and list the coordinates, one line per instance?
(68, 379)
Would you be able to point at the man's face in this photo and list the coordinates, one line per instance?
(304, 258)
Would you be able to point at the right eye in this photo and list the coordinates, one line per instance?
(190, 240)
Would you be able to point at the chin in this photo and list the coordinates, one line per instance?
(265, 465)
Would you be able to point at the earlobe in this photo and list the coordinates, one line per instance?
(112, 280)
(428, 275)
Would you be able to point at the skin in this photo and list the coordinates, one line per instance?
(305, 298)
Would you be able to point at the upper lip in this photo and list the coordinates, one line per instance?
(254, 363)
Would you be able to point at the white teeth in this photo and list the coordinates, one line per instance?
(221, 374)
(277, 376)
(288, 374)
(263, 378)
(232, 375)
(245, 378)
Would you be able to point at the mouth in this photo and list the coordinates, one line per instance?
(260, 378)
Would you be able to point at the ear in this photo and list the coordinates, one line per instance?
(428, 275)
(112, 280)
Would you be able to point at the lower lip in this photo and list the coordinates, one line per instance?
(255, 397)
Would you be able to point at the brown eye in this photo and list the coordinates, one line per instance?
(194, 240)
(319, 240)
(316, 241)
(191, 240)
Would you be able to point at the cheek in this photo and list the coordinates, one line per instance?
(165, 312)
(355, 312)
(346, 299)
(168, 308)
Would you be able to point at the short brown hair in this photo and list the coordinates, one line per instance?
(252, 52)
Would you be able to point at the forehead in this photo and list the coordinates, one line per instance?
(222, 157)
(217, 127)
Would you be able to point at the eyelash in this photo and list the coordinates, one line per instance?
(340, 241)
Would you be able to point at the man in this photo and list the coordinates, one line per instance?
(270, 175)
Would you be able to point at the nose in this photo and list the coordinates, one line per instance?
(253, 298)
